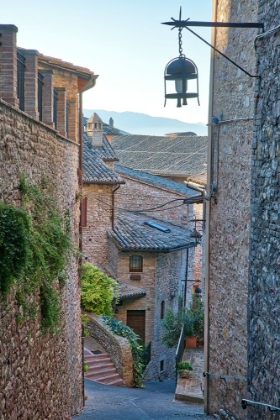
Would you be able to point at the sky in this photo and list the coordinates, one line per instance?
(122, 41)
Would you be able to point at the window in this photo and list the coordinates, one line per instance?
(40, 94)
(161, 365)
(67, 118)
(136, 263)
(162, 310)
(20, 79)
(55, 99)
(84, 212)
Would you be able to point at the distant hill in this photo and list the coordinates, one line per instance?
(136, 123)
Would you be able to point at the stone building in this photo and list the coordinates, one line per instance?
(41, 374)
(151, 253)
(242, 253)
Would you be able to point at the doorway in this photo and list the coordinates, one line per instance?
(136, 321)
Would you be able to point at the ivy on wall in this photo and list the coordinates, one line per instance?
(34, 246)
(137, 350)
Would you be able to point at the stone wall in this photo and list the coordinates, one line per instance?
(99, 220)
(41, 375)
(116, 346)
(233, 104)
(264, 301)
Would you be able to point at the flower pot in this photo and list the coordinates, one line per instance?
(185, 374)
(191, 342)
(200, 343)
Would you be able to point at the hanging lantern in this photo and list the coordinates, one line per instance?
(181, 70)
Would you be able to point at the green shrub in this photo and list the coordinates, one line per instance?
(34, 246)
(137, 350)
(98, 290)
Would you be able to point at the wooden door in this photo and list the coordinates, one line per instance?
(136, 321)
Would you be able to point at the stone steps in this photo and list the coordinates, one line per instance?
(101, 369)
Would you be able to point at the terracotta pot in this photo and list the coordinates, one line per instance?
(200, 343)
(185, 374)
(191, 342)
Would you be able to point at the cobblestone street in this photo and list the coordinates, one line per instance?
(154, 402)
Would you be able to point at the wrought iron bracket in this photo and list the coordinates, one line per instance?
(247, 403)
(186, 23)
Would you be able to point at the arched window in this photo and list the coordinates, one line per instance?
(162, 310)
(135, 264)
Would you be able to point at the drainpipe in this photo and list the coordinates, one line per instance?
(186, 278)
(113, 206)
(208, 211)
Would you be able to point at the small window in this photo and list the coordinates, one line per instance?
(162, 310)
(84, 212)
(161, 366)
(136, 264)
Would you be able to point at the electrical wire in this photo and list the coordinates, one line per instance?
(156, 208)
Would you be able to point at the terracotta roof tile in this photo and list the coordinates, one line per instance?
(132, 233)
(164, 155)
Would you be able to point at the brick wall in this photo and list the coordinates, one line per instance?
(233, 96)
(41, 374)
(99, 220)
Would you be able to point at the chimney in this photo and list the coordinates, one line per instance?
(111, 122)
(8, 69)
(94, 129)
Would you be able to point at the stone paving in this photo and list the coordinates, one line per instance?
(154, 402)
(191, 389)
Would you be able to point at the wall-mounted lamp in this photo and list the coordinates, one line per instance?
(182, 69)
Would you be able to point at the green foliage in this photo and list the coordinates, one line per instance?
(180, 366)
(172, 324)
(34, 246)
(137, 350)
(86, 367)
(192, 318)
(85, 320)
(14, 244)
(98, 290)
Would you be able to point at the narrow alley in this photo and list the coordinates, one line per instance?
(154, 402)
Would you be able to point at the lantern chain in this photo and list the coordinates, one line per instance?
(180, 43)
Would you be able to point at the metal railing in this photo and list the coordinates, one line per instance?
(40, 94)
(180, 349)
(247, 403)
(20, 79)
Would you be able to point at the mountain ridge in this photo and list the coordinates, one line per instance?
(139, 123)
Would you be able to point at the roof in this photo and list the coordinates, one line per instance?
(130, 292)
(95, 170)
(132, 233)
(184, 156)
(154, 180)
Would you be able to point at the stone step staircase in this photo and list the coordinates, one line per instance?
(101, 368)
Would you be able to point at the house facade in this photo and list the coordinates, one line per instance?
(152, 266)
(32, 384)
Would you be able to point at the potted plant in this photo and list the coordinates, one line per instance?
(189, 321)
(184, 368)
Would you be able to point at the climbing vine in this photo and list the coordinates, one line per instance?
(137, 349)
(34, 246)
